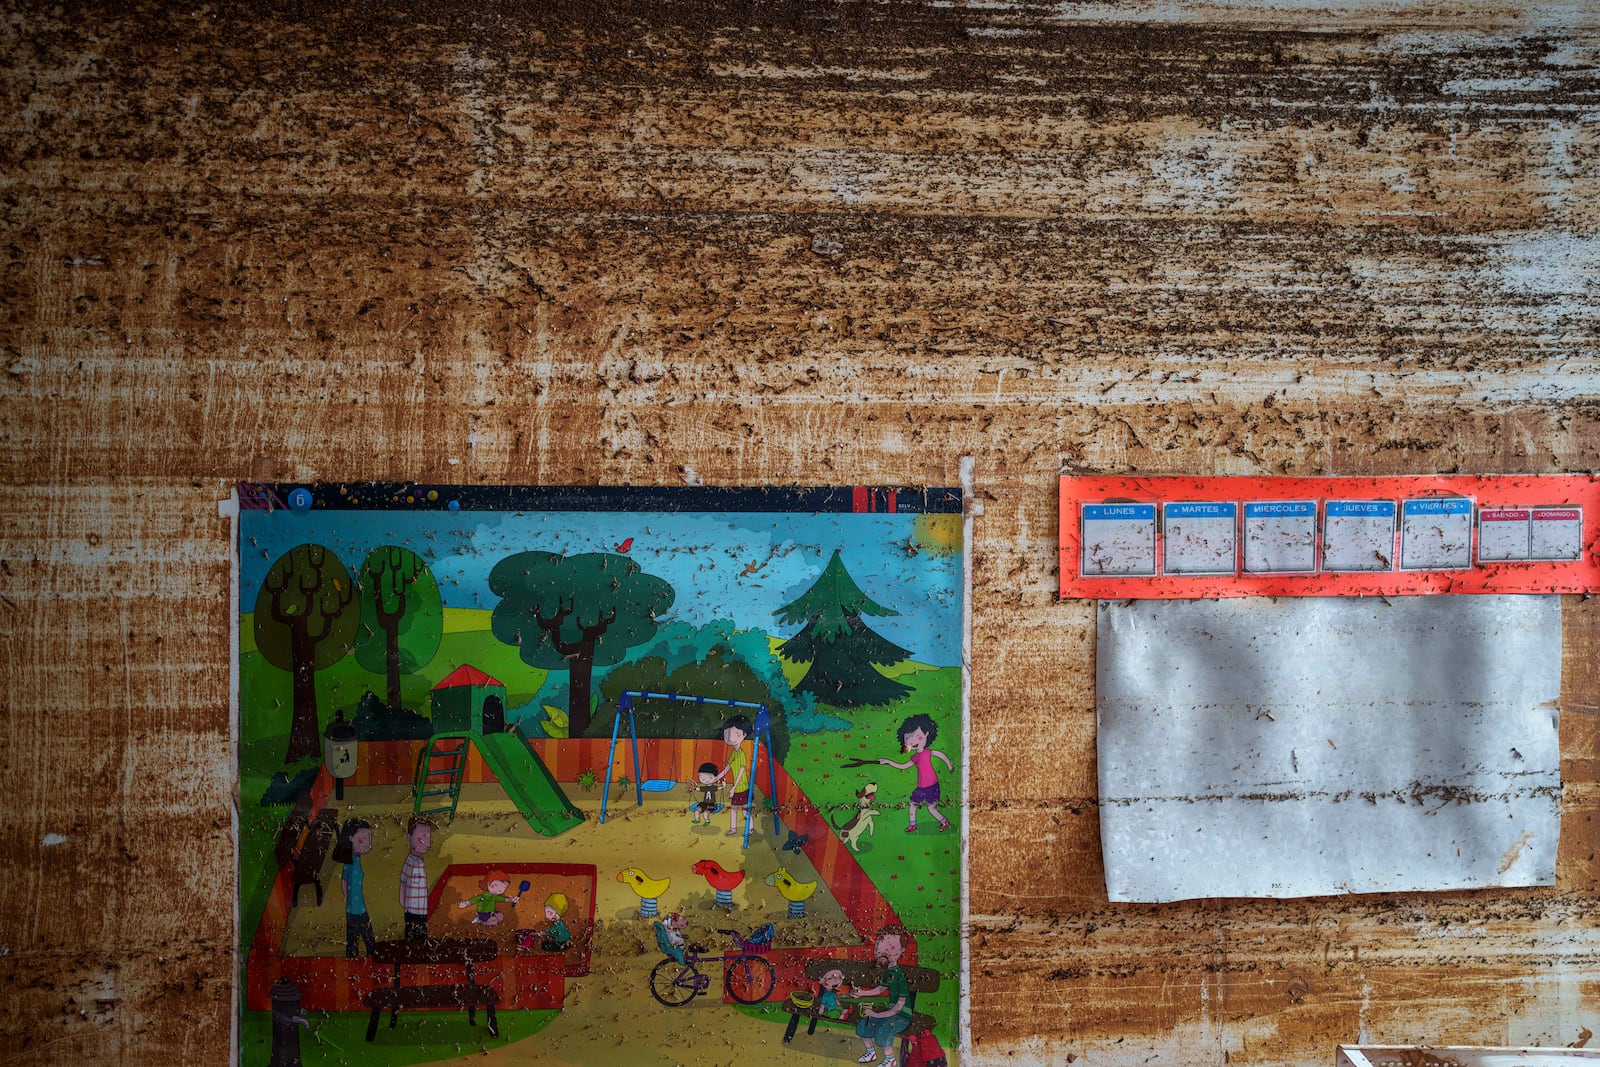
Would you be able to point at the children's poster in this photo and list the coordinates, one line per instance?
(592, 776)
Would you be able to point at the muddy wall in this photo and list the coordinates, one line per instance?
(823, 243)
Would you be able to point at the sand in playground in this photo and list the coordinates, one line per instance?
(608, 1016)
(656, 838)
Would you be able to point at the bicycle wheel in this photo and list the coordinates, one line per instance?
(665, 984)
(749, 979)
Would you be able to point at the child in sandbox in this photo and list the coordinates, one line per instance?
(494, 886)
(557, 938)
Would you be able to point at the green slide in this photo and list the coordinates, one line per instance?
(528, 782)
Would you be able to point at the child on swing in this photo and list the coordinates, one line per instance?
(708, 785)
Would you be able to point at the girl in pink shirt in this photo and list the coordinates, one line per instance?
(916, 734)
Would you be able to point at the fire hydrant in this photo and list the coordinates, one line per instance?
(285, 1017)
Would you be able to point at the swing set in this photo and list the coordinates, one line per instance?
(762, 729)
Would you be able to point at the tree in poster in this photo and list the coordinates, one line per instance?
(402, 616)
(305, 621)
(841, 649)
(574, 613)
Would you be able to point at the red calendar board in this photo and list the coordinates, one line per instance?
(1181, 538)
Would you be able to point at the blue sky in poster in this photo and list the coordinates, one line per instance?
(738, 566)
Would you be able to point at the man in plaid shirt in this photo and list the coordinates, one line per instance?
(414, 878)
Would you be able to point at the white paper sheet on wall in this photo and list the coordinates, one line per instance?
(1301, 747)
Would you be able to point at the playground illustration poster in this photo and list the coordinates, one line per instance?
(574, 774)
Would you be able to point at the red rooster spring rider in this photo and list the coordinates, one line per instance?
(723, 882)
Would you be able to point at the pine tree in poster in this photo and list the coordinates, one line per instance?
(841, 649)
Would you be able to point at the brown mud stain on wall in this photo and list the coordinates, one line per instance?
(639, 243)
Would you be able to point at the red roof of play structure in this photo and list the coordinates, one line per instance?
(467, 674)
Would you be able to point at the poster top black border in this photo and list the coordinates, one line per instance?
(425, 496)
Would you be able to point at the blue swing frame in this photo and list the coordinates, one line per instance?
(762, 728)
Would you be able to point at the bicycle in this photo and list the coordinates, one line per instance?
(748, 978)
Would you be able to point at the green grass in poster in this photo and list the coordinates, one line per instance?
(920, 873)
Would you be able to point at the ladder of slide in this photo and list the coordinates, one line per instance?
(440, 767)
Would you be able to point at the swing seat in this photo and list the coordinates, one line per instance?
(659, 785)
